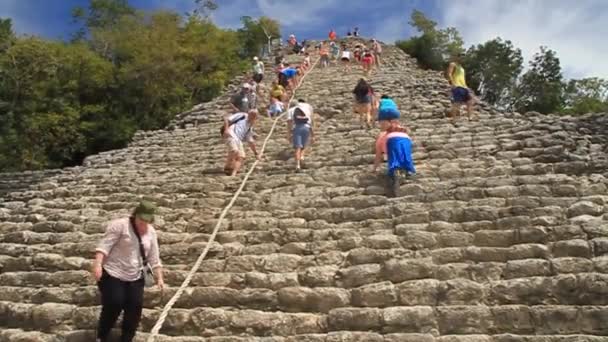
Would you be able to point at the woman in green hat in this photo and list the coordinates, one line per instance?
(124, 261)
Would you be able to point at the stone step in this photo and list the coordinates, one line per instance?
(12, 335)
(412, 287)
(440, 320)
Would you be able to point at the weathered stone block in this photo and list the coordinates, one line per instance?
(464, 319)
(419, 292)
(527, 268)
(375, 295)
(355, 319)
(358, 275)
(415, 319)
(400, 270)
(461, 292)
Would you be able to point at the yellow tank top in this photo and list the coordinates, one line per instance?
(458, 76)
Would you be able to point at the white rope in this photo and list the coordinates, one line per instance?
(199, 261)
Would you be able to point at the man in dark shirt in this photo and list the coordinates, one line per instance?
(240, 102)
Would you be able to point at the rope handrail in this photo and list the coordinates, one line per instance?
(199, 261)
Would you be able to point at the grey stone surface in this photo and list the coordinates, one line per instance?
(503, 236)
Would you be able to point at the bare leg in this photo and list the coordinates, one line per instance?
(470, 105)
(298, 157)
(236, 164)
(454, 111)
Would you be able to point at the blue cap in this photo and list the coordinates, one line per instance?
(388, 113)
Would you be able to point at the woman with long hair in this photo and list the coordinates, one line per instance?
(364, 97)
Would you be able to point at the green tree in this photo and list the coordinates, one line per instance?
(204, 7)
(253, 34)
(101, 14)
(6, 34)
(492, 70)
(434, 47)
(126, 70)
(47, 87)
(587, 95)
(541, 88)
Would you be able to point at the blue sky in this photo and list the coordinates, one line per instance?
(576, 29)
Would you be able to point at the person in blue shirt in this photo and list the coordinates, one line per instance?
(386, 102)
(288, 77)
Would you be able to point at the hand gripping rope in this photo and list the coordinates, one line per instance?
(199, 261)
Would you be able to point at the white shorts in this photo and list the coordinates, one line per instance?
(236, 146)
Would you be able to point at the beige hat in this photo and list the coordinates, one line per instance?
(255, 58)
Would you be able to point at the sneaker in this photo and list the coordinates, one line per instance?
(298, 170)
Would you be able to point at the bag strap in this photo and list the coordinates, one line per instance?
(141, 245)
(241, 118)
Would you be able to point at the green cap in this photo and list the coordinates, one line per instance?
(145, 211)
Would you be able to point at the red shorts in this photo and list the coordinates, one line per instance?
(367, 60)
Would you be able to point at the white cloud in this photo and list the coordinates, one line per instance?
(302, 12)
(576, 30)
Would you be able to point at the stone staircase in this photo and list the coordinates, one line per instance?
(503, 237)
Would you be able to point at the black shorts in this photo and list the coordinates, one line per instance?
(258, 78)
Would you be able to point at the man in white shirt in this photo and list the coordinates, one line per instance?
(345, 57)
(258, 70)
(238, 129)
(300, 127)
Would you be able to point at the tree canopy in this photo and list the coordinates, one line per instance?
(494, 72)
(124, 70)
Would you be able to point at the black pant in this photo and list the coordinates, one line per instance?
(117, 296)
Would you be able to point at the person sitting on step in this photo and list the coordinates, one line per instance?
(398, 146)
(238, 130)
(300, 128)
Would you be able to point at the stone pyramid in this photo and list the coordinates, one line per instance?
(503, 237)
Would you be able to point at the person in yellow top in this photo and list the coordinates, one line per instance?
(461, 94)
(277, 91)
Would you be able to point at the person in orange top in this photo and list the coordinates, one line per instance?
(332, 35)
(324, 53)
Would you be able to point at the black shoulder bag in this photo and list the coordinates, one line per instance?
(147, 271)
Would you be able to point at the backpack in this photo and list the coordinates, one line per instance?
(299, 116)
(241, 118)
